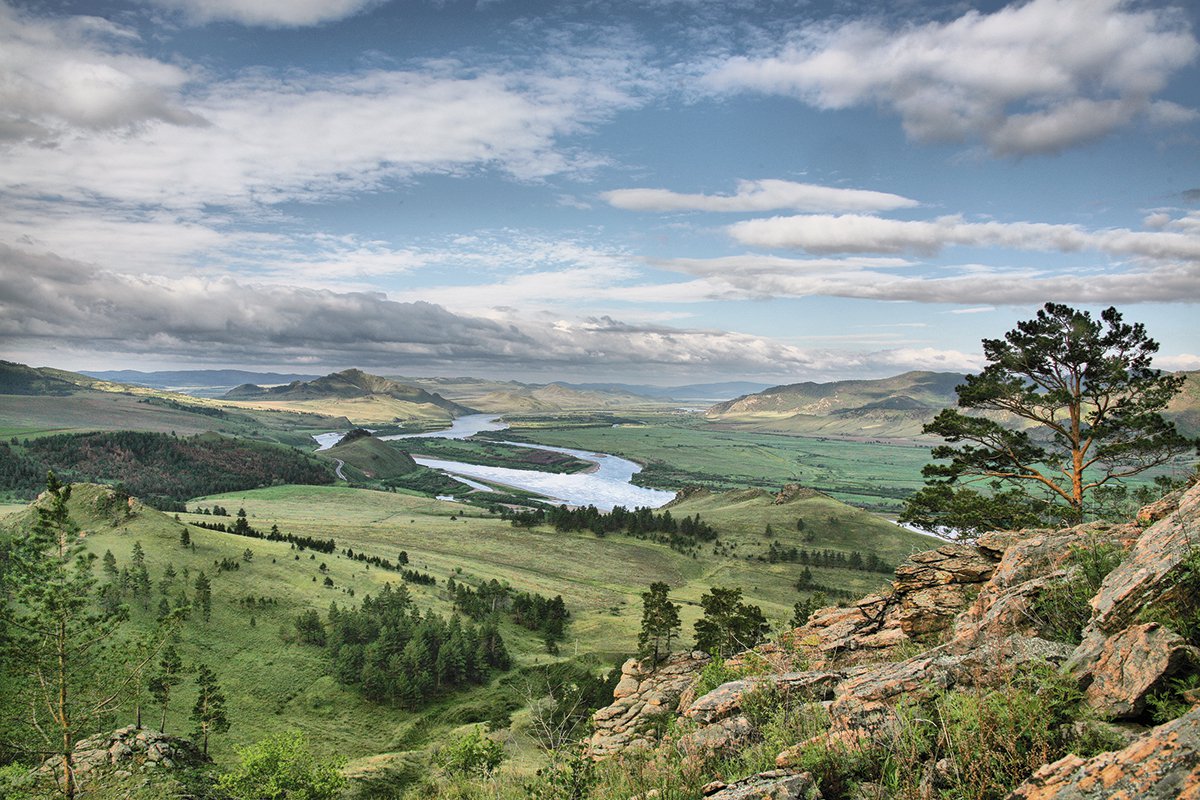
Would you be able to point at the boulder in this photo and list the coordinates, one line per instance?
(1133, 663)
(1164, 764)
(771, 785)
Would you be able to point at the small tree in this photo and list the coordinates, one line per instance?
(729, 625)
(474, 755)
(208, 713)
(660, 622)
(185, 538)
(282, 767)
(203, 597)
(166, 678)
(1088, 404)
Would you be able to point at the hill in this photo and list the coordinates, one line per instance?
(373, 458)
(909, 391)
(167, 469)
(895, 407)
(198, 382)
(359, 396)
(498, 397)
(19, 379)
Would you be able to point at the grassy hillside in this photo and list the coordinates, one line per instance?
(275, 684)
(357, 395)
(373, 458)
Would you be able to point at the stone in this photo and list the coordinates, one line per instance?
(1164, 764)
(1133, 663)
(770, 785)
(645, 695)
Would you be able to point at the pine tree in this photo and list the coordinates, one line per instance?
(208, 713)
(729, 625)
(55, 638)
(204, 596)
(660, 622)
(185, 538)
(168, 676)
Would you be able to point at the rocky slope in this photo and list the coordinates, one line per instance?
(967, 616)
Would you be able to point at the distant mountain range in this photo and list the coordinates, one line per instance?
(217, 382)
(896, 407)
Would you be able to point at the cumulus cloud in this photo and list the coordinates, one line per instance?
(267, 13)
(1036, 77)
(855, 233)
(78, 73)
(760, 195)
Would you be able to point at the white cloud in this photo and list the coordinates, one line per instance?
(1033, 77)
(1178, 362)
(77, 73)
(853, 233)
(970, 285)
(760, 195)
(267, 13)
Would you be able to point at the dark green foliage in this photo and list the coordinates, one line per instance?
(971, 512)
(309, 629)
(527, 609)
(803, 609)
(871, 562)
(281, 767)
(162, 466)
(165, 678)
(203, 596)
(55, 640)
(394, 654)
(729, 625)
(208, 714)
(1063, 608)
(243, 528)
(1091, 400)
(682, 535)
(660, 622)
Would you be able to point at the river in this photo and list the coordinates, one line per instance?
(607, 486)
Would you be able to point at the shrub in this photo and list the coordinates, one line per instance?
(474, 755)
(1063, 609)
(281, 767)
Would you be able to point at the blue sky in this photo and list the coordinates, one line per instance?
(665, 191)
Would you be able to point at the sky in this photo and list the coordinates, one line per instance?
(660, 191)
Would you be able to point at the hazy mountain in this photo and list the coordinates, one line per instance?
(910, 391)
(196, 379)
(693, 392)
(345, 385)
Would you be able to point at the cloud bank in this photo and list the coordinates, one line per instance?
(1036, 77)
(267, 13)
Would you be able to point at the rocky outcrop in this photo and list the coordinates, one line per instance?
(978, 611)
(643, 698)
(1162, 765)
(930, 589)
(127, 751)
